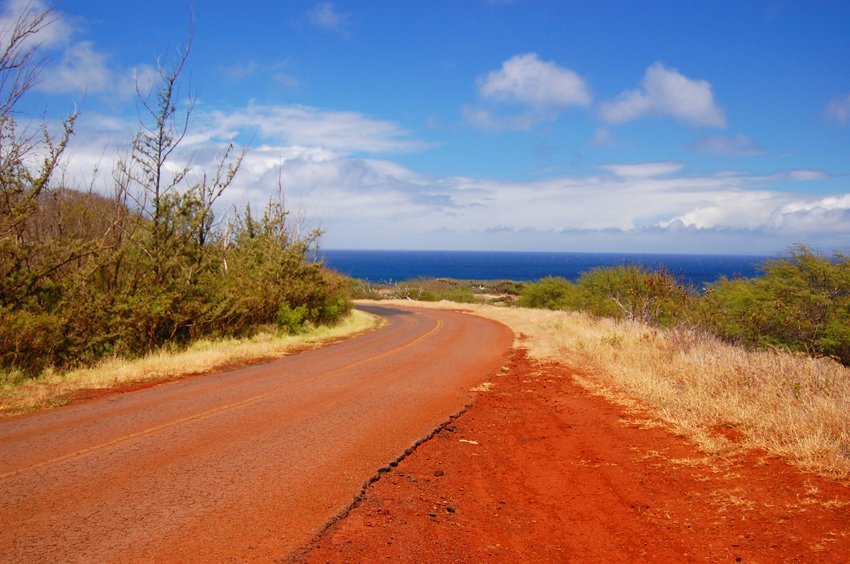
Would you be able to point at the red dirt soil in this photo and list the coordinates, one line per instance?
(540, 470)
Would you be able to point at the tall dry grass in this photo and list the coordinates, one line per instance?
(56, 388)
(790, 405)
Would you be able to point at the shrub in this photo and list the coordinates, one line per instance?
(29, 341)
(632, 292)
(291, 319)
(802, 302)
(551, 292)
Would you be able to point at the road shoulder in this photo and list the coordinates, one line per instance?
(540, 470)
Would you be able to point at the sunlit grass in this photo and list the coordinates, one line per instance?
(790, 405)
(55, 388)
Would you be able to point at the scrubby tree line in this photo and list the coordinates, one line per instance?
(84, 276)
(800, 302)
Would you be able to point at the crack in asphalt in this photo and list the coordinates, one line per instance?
(302, 552)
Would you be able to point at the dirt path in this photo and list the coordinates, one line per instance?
(243, 464)
(540, 471)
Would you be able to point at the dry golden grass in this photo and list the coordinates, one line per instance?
(52, 388)
(789, 405)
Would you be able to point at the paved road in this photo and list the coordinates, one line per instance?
(241, 464)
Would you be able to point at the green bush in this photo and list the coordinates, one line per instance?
(632, 292)
(801, 302)
(291, 319)
(336, 306)
(551, 292)
(29, 341)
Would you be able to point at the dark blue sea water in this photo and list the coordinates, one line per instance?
(396, 266)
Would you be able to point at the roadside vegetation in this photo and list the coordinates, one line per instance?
(439, 289)
(53, 388)
(149, 267)
(800, 303)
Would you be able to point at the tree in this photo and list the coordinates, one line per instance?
(170, 259)
(29, 257)
(21, 182)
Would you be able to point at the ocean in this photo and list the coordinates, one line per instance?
(397, 266)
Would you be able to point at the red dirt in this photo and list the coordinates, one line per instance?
(540, 470)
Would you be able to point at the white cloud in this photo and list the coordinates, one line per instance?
(791, 215)
(603, 137)
(671, 212)
(543, 88)
(486, 119)
(307, 126)
(838, 109)
(138, 79)
(736, 145)
(666, 92)
(732, 209)
(277, 71)
(56, 31)
(829, 203)
(313, 146)
(643, 170)
(540, 84)
(801, 174)
(326, 16)
(82, 69)
(829, 214)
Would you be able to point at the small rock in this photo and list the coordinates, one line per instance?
(439, 473)
(450, 508)
(432, 514)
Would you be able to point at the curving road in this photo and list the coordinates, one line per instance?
(242, 464)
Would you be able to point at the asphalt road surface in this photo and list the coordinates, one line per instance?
(242, 464)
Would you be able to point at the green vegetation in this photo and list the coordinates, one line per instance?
(84, 277)
(622, 292)
(800, 303)
(438, 289)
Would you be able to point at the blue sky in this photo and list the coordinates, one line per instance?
(692, 127)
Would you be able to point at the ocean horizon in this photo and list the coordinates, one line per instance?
(382, 266)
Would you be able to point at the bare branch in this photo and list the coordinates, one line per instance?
(19, 62)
